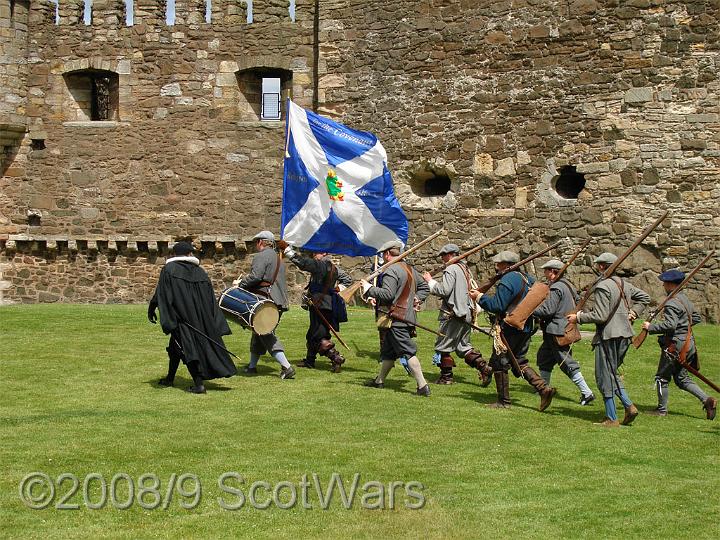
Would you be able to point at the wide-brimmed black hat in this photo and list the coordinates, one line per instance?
(183, 248)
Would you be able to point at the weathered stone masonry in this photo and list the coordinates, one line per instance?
(493, 98)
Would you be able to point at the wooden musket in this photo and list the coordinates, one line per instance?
(436, 272)
(571, 331)
(350, 291)
(484, 287)
(640, 338)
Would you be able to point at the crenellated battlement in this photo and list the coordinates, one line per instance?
(192, 13)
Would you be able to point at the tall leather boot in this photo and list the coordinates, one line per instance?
(336, 360)
(327, 348)
(446, 369)
(536, 381)
(502, 386)
(475, 360)
(710, 406)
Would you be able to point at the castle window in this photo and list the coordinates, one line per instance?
(263, 92)
(95, 94)
(569, 183)
(270, 99)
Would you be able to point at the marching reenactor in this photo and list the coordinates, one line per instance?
(325, 307)
(401, 292)
(551, 314)
(510, 344)
(617, 304)
(457, 312)
(192, 318)
(677, 346)
(267, 278)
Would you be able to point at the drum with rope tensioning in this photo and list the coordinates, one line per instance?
(252, 311)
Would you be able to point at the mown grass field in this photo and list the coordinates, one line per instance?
(80, 397)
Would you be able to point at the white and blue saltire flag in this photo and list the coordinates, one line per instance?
(338, 195)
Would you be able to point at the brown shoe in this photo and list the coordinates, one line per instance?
(657, 412)
(546, 397)
(445, 379)
(335, 367)
(710, 406)
(630, 413)
(486, 376)
(607, 423)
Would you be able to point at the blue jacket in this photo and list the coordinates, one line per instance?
(509, 286)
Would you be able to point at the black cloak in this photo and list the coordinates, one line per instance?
(184, 293)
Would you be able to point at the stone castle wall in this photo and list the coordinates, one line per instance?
(493, 97)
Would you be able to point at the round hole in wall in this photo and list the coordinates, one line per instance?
(569, 183)
(431, 183)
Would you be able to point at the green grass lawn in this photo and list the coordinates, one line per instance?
(80, 397)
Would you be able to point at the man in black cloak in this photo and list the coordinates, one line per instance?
(188, 309)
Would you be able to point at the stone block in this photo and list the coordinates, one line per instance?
(124, 67)
(228, 66)
(89, 213)
(82, 178)
(173, 89)
(483, 164)
(226, 80)
(592, 168)
(592, 216)
(703, 118)
(45, 297)
(609, 182)
(41, 201)
(693, 144)
(638, 95)
(505, 167)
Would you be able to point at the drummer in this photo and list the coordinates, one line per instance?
(267, 278)
(327, 308)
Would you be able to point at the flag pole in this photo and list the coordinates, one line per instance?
(287, 128)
